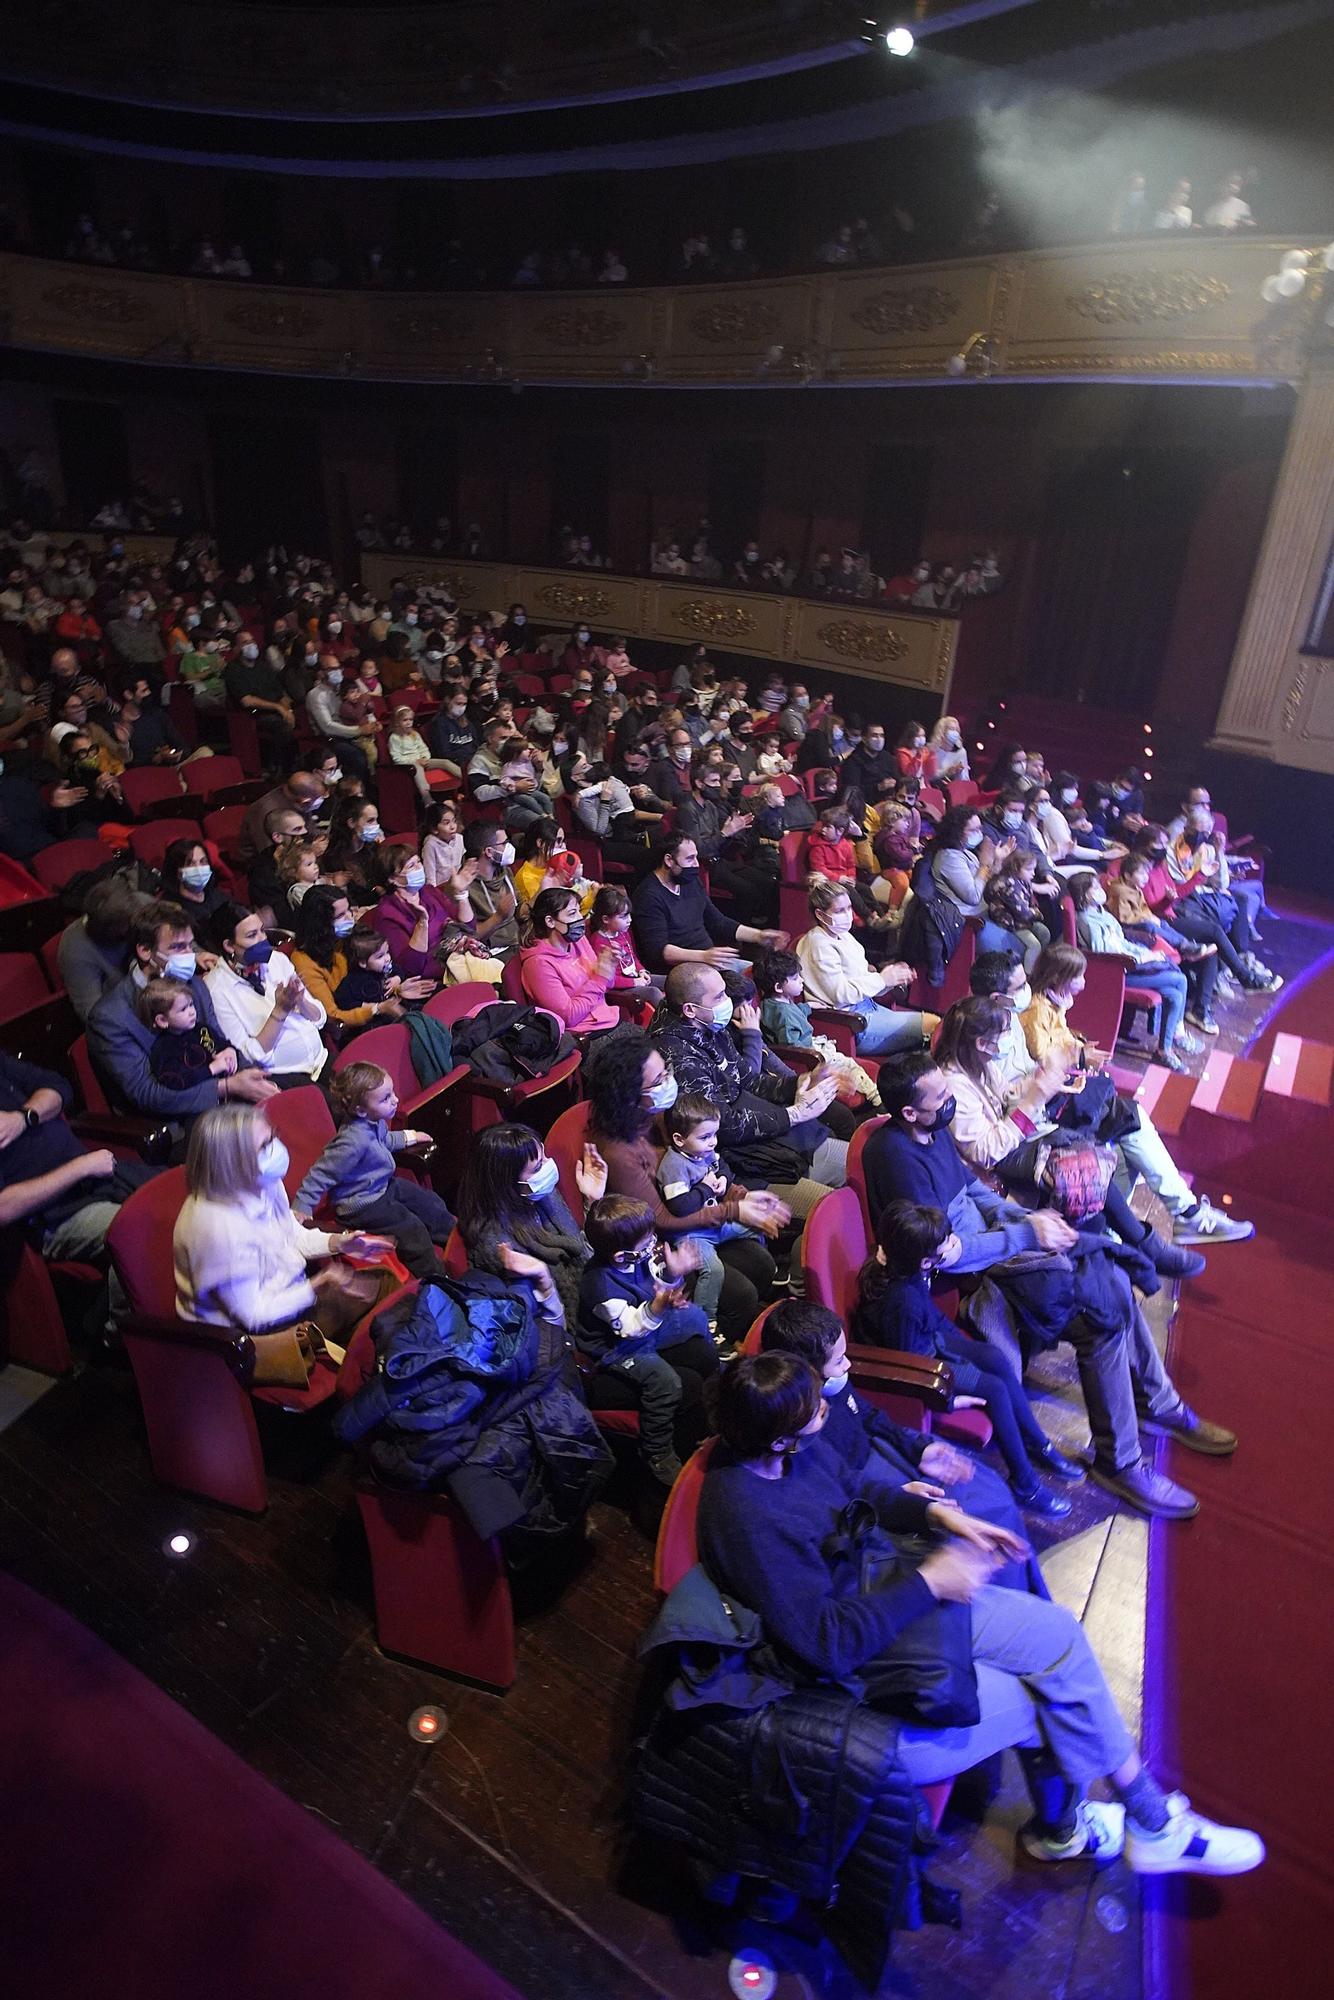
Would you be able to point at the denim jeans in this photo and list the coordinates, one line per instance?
(1123, 1379)
(1038, 1681)
(1146, 1153)
(1169, 981)
(82, 1239)
(886, 1030)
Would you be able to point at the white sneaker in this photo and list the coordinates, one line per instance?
(1100, 1833)
(1187, 1045)
(1190, 1844)
(1210, 1225)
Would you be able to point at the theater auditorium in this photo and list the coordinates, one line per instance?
(666, 998)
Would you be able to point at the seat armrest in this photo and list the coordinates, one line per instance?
(146, 1137)
(922, 1376)
(406, 1112)
(799, 1059)
(236, 1349)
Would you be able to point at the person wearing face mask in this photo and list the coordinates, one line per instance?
(910, 752)
(769, 1125)
(203, 668)
(242, 1259)
(562, 971)
(260, 1001)
(454, 738)
(835, 973)
(1084, 1297)
(870, 766)
(412, 916)
(188, 877)
(870, 1442)
(724, 841)
(1156, 970)
(895, 1309)
(254, 687)
(581, 657)
(946, 754)
(676, 923)
(1065, 854)
(133, 634)
(485, 887)
(119, 1044)
(355, 740)
(962, 858)
(514, 1219)
(833, 1602)
(320, 957)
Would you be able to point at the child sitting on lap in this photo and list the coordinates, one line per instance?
(609, 930)
(785, 1019)
(185, 1050)
(356, 1172)
(633, 1316)
(691, 1174)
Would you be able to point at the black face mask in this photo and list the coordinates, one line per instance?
(943, 1118)
(1157, 854)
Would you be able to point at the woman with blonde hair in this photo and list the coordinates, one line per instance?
(241, 1257)
(946, 756)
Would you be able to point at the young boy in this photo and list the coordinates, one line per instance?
(785, 1020)
(356, 1171)
(184, 1050)
(690, 1176)
(370, 973)
(632, 1307)
(831, 852)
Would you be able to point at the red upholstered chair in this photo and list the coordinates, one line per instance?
(222, 828)
(145, 785)
(856, 1170)
(565, 1144)
(55, 866)
(1096, 1014)
(208, 775)
(148, 843)
(962, 791)
(933, 801)
(302, 1119)
(430, 1109)
(243, 739)
(50, 957)
(534, 1103)
(23, 984)
(794, 915)
(834, 1246)
(441, 1593)
(397, 793)
(41, 1034)
(32, 1324)
(17, 884)
(28, 921)
(193, 1380)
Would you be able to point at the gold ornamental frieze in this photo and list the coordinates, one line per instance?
(852, 640)
(1129, 298)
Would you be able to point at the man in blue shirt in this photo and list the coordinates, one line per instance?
(912, 1157)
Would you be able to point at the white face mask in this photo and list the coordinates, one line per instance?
(1022, 999)
(541, 1183)
(250, 652)
(663, 1094)
(507, 855)
(839, 921)
(273, 1160)
(334, 677)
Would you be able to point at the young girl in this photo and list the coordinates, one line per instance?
(609, 930)
(1156, 968)
(830, 852)
(770, 762)
(356, 1172)
(895, 1309)
(1012, 903)
(298, 870)
(409, 748)
(895, 852)
(442, 848)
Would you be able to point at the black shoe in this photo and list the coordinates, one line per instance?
(1036, 1499)
(1051, 1459)
(1171, 1260)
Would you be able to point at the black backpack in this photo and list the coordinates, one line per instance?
(932, 925)
(511, 1043)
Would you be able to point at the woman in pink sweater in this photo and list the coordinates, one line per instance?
(560, 969)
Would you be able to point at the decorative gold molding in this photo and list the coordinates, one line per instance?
(713, 619)
(1073, 312)
(270, 317)
(1296, 695)
(854, 640)
(920, 309)
(901, 649)
(735, 323)
(577, 326)
(103, 303)
(1133, 296)
(574, 600)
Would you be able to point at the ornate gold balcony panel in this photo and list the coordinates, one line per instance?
(1161, 309)
(913, 649)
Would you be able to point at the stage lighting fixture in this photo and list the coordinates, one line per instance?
(900, 41)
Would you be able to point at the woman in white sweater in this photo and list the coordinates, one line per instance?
(241, 1257)
(835, 973)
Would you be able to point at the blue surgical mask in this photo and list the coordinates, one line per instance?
(722, 1012)
(343, 926)
(197, 876)
(258, 953)
(543, 1182)
(415, 875)
(971, 840)
(370, 833)
(335, 677)
(180, 965)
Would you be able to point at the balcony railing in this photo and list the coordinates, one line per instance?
(913, 649)
(1157, 309)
